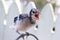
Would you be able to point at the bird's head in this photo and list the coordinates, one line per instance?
(34, 14)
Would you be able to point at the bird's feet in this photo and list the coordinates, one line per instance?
(27, 34)
(21, 36)
(18, 32)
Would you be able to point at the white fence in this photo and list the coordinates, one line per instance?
(44, 31)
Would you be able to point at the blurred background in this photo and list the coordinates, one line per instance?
(41, 3)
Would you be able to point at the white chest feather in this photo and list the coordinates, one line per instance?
(23, 25)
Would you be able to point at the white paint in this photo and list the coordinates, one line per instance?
(44, 31)
(46, 22)
(7, 4)
(5, 22)
(13, 11)
(56, 35)
(29, 6)
(2, 15)
(20, 6)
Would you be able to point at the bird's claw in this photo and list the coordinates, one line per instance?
(27, 34)
(21, 36)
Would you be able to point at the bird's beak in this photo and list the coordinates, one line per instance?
(36, 16)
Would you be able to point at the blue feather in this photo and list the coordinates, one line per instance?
(20, 17)
(15, 19)
(23, 16)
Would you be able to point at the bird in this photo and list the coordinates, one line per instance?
(24, 22)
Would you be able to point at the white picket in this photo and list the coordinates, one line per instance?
(10, 34)
(2, 16)
(56, 36)
(45, 23)
(7, 4)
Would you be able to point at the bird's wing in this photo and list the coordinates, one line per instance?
(20, 17)
(23, 16)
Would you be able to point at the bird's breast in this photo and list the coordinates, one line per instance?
(24, 25)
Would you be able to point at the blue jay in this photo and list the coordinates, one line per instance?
(24, 21)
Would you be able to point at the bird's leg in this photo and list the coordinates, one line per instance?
(28, 34)
(21, 36)
(17, 31)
